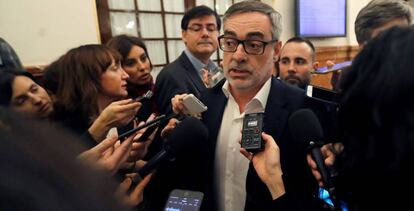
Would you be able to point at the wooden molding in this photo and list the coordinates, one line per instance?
(334, 53)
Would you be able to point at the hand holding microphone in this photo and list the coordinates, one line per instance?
(329, 152)
(267, 165)
(189, 134)
(307, 131)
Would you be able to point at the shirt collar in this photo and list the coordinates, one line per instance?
(198, 65)
(259, 101)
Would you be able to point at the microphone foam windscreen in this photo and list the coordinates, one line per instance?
(305, 126)
(189, 134)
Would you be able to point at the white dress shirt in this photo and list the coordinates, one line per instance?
(230, 165)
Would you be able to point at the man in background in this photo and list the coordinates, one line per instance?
(297, 61)
(199, 29)
(377, 16)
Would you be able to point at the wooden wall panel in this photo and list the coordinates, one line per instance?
(336, 54)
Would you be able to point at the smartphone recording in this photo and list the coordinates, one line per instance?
(336, 67)
(155, 122)
(144, 97)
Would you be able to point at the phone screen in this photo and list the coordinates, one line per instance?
(184, 200)
(334, 68)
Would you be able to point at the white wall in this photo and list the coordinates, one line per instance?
(42, 30)
(287, 10)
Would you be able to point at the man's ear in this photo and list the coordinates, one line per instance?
(184, 36)
(277, 48)
(315, 65)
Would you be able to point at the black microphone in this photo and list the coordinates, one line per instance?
(307, 131)
(187, 135)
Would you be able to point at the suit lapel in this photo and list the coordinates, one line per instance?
(276, 112)
(216, 102)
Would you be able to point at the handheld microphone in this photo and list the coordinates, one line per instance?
(307, 131)
(187, 135)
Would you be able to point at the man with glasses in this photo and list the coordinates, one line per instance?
(251, 48)
(199, 29)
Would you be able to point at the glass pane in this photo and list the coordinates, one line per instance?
(155, 71)
(222, 6)
(121, 4)
(175, 47)
(150, 25)
(174, 5)
(222, 23)
(173, 25)
(156, 51)
(208, 3)
(152, 5)
(123, 23)
(214, 56)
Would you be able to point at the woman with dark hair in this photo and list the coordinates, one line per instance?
(21, 93)
(90, 88)
(376, 117)
(136, 62)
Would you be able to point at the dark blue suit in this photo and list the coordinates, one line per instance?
(283, 100)
(177, 77)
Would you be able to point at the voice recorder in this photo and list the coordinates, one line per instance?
(252, 132)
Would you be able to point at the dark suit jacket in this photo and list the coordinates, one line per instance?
(177, 77)
(298, 180)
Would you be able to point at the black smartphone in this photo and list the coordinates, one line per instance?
(252, 132)
(147, 133)
(145, 96)
(184, 200)
(154, 122)
(336, 67)
(321, 93)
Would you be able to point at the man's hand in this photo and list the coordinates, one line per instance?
(177, 104)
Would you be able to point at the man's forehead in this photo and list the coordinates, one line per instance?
(248, 24)
(296, 47)
(206, 19)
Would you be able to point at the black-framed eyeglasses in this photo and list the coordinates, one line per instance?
(253, 47)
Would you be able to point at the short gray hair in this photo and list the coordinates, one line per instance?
(377, 13)
(256, 6)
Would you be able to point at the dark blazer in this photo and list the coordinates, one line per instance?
(298, 180)
(177, 77)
